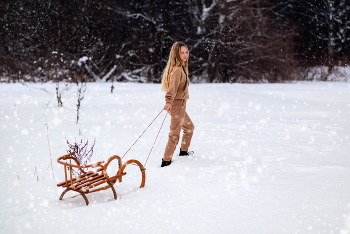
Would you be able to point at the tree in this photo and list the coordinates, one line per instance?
(241, 40)
(229, 41)
(325, 24)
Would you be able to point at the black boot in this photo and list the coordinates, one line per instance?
(185, 153)
(165, 163)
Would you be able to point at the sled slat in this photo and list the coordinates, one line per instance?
(79, 178)
(88, 182)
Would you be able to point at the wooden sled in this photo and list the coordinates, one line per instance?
(95, 178)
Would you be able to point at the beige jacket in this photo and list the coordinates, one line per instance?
(178, 87)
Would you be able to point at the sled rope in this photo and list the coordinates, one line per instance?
(158, 143)
(144, 132)
(155, 139)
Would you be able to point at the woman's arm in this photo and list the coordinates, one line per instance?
(173, 86)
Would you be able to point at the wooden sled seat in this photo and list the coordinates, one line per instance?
(95, 175)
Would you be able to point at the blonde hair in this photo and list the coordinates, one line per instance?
(174, 62)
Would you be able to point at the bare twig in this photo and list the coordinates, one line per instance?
(37, 175)
(43, 89)
(46, 171)
(48, 141)
(81, 91)
(49, 164)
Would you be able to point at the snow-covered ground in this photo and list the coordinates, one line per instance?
(269, 158)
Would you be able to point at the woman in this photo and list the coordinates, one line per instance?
(175, 83)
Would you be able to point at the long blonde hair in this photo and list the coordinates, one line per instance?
(174, 62)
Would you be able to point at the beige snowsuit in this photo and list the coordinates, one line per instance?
(177, 96)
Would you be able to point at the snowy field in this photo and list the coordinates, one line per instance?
(269, 158)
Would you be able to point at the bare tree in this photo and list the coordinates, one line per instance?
(229, 41)
(327, 23)
(240, 41)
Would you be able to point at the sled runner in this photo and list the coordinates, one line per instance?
(95, 178)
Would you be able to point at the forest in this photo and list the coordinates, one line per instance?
(115, 40)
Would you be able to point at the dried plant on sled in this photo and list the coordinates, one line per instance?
(82, 152)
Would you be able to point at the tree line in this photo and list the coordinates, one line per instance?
(117, 40)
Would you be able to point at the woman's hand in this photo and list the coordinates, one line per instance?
(167, 107)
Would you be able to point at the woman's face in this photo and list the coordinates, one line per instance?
(183, 53)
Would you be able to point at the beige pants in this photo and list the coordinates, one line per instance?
(179, 120)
